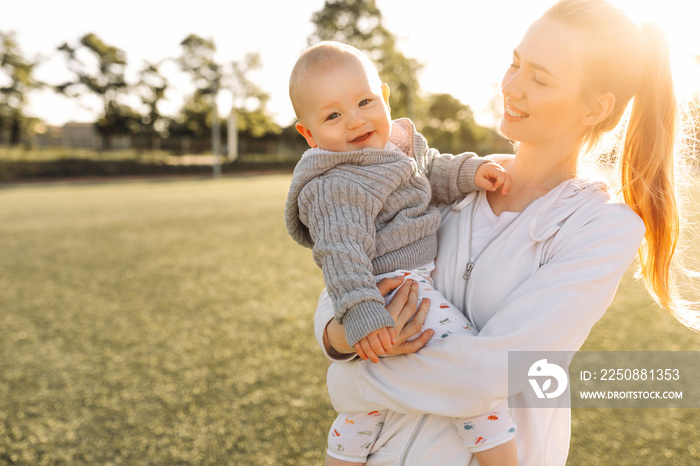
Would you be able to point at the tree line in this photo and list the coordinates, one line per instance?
(99, 69)
(134, 108)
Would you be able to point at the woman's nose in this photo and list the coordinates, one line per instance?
(511, 86)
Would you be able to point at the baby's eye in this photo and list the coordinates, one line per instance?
(539, 82)
(364, 102)
(333, 116)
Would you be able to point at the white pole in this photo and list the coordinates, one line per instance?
(216, 141)
(232, 135)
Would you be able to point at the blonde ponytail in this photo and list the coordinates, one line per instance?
(633, 62)
(647, 170)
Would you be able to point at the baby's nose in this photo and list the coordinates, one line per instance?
(355, 121)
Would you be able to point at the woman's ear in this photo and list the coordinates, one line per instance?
(601, 109)
(304, 131)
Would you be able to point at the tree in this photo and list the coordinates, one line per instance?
(197, 60)
(250, 101)
(16, 81)
(450, 127)
(359, 23)
(151, 90)
(447, 124)
(209, 77)
(104, 77)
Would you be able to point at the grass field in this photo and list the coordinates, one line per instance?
(170, 322)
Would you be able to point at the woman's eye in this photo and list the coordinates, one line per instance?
(514, 66)
(539, 82)
(333, 116)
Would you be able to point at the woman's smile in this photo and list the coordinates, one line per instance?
(512, 114)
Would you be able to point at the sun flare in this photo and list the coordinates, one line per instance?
(678, 19)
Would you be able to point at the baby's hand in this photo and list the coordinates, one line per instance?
(491, 176)
(376, 344)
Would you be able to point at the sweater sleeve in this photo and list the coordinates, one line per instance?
(452, 176)
(553, 310)
(340, 217)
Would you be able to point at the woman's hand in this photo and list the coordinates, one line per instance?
(409, 320)
(402, 308)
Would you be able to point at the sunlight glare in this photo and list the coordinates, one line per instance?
(678, 19)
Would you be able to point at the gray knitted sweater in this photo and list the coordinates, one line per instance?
(370, 212)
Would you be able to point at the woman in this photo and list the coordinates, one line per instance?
(536, 269)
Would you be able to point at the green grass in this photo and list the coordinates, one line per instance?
(171, 322)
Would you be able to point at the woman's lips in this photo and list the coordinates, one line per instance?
(512, 114)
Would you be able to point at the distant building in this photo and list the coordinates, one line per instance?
(80, 136)
(85, 136)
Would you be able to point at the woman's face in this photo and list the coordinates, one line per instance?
(542, 95)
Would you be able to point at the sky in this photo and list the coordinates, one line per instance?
(464, 46)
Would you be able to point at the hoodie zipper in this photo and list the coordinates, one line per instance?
(471, 263)
(467, 275)
(412, 440)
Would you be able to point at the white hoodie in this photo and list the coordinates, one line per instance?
(541, 285)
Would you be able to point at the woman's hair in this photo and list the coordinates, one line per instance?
(633, 62)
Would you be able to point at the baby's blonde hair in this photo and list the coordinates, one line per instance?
(322, 57)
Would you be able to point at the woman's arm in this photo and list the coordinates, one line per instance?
(403, 308)
(553, 310)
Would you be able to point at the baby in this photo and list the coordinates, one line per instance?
(363, 198)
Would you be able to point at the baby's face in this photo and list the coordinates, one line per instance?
(344, 110)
